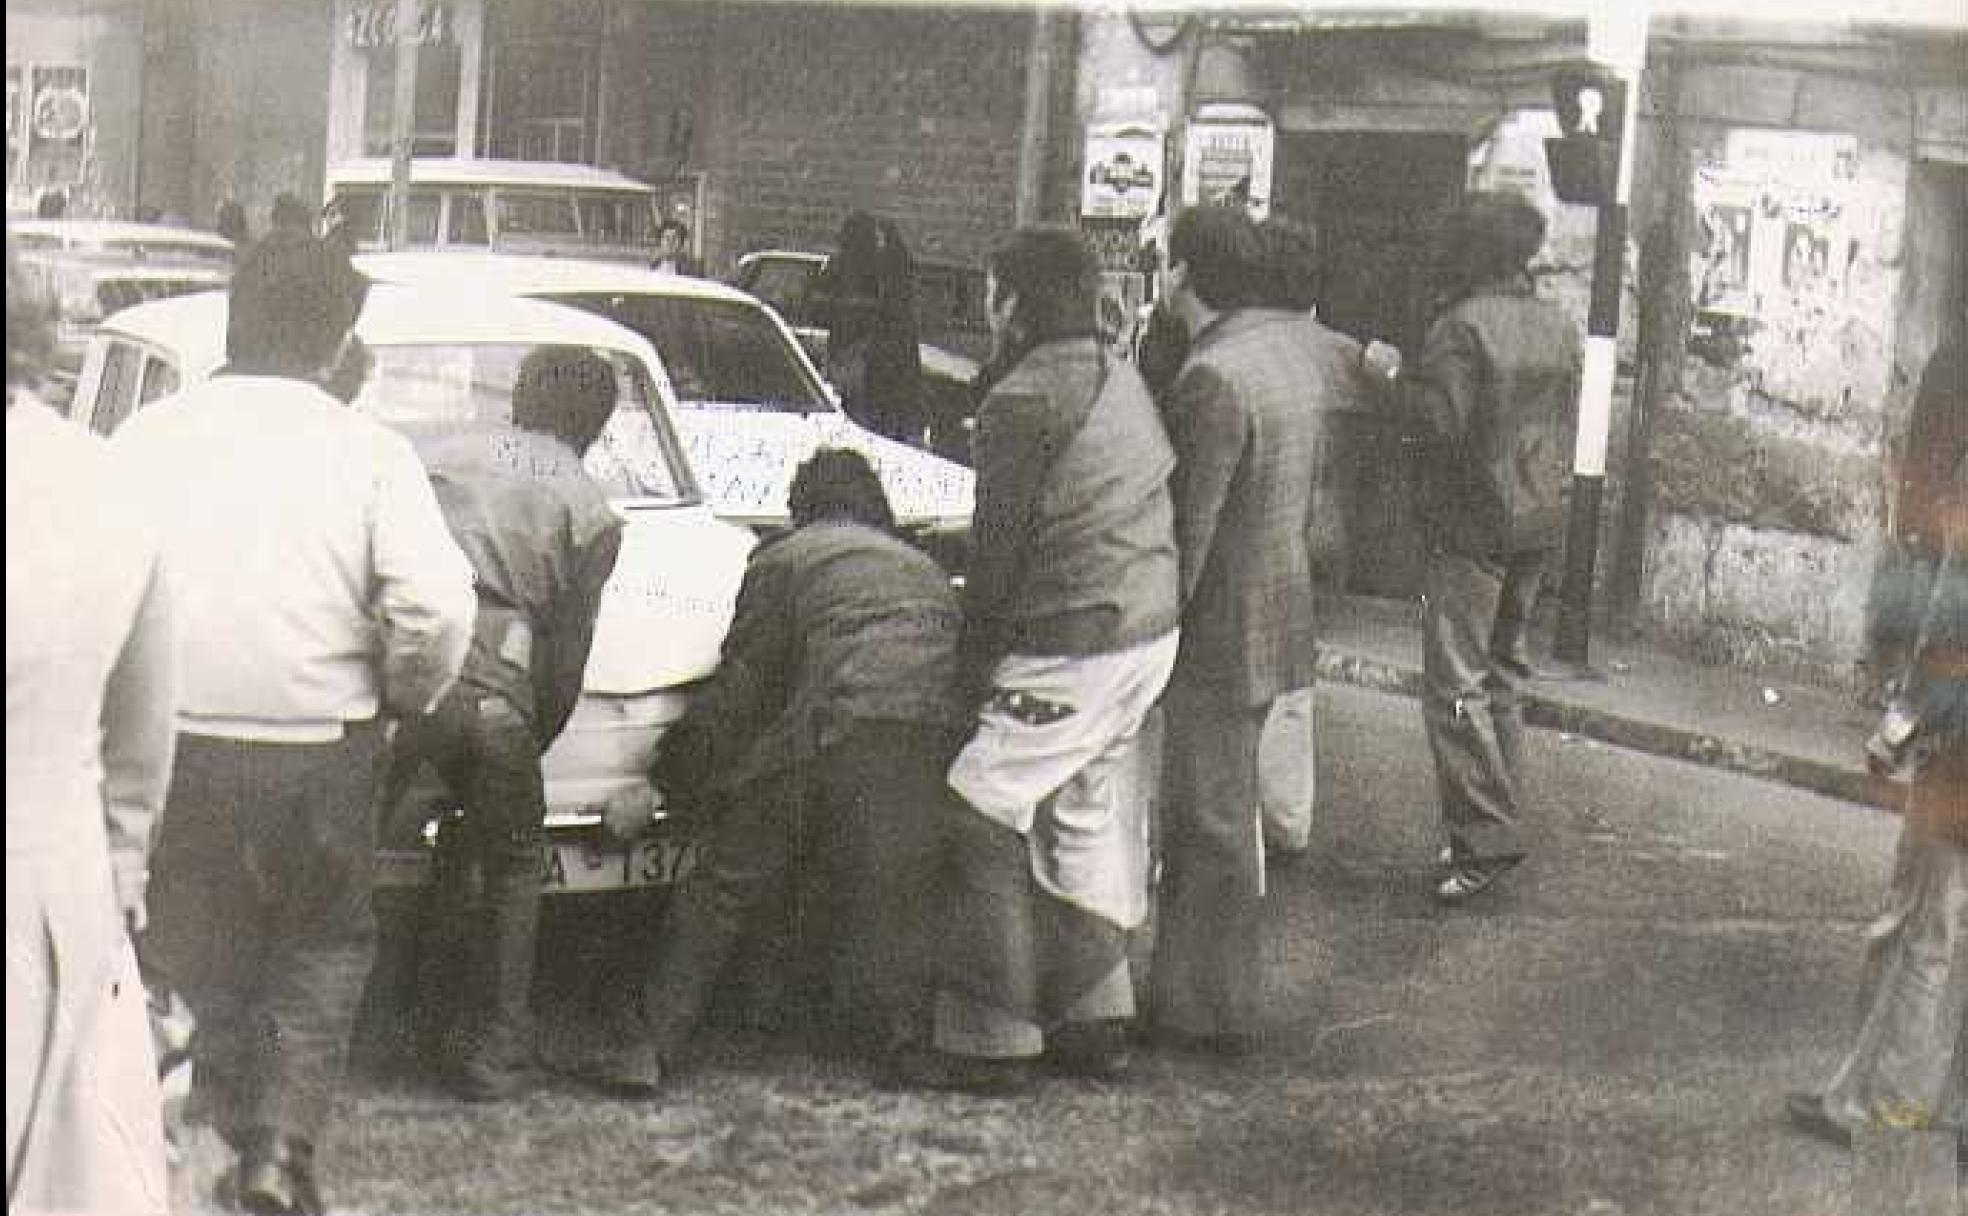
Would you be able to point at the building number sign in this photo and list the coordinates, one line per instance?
(373, 25)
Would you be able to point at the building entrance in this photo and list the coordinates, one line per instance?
(1375, 198)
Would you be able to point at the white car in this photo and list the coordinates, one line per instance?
(444, 365)
(96, 267)
(516, 206)
(752, 405)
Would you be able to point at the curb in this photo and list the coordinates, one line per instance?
(1653, 738)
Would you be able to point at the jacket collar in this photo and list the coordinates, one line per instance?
(1226, 325)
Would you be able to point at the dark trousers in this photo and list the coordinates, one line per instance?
(261, 919)
(483, 905)
(1474, 663)
(1207, 973)
(854, 838)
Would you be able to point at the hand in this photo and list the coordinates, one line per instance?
(1382, 360)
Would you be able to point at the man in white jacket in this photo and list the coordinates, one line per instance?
(320, 591)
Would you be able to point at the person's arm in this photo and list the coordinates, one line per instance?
(561, 654)
(139, 725)
(1010, 453)
(1441, 389)
(423, 583)
(1210, 431)
(745, 694)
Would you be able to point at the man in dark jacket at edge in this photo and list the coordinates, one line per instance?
(821, 742)
(542, 541)
(1493, 401)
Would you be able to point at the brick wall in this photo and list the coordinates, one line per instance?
(816, 110)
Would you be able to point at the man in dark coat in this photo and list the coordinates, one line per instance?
(1493, 401)
(827, 729)
(542, 541)
(1244, 439)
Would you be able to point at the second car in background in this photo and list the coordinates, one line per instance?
(751, 403)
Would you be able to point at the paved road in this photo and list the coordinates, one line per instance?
(1610, 1036)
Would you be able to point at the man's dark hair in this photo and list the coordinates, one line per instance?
(837, 483)
(1494, 235)
(1294, 271)
(1056, 280)
(1225, 254)
(291, 302)
(564, 391)
(290, 214)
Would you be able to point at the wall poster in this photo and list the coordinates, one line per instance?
(1226, 157)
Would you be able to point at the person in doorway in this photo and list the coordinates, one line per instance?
(318, 589)
(673, 248)
(91, 673)
(1492, 403)
(817, 757)
(542, 541)
(1070, 613)
(1244, 443)
(865, 298)
(1907, 1066)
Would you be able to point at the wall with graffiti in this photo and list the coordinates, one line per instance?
(1794, 270)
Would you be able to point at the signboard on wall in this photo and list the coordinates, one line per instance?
(1227, 155)
(1124, 171)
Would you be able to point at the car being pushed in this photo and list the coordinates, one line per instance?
(93, 268)
(750, 403)
(444, 366)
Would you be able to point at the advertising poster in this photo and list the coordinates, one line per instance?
(1777, 235)
(58, 124)
(1124, 171)
(1227, 158)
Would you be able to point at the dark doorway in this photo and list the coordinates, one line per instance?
(1375, 198)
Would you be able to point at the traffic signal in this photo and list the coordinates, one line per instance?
(1584, 160)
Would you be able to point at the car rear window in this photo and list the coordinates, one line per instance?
(439, 394)
(719, 353)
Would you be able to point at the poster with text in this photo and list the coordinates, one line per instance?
(1227, 158)
(1124, 172)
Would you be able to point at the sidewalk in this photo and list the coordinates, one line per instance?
(1641, 698)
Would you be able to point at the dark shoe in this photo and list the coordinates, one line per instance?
(1807, 1112)
(634, 1072)
(276, 1178)
(1095, 1050)
(1221, 1044)
(983, 1076)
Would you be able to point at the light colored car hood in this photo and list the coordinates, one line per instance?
(745, 460)
(665, 609)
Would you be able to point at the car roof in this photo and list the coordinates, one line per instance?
(524, 274)
(451, 170)
(193, 326)
(97, 231)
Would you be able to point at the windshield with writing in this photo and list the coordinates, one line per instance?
(441, 395)
(721, 354)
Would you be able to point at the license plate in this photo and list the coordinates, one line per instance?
(579, 867)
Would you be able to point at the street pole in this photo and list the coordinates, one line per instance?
(403, 122)
(1616, 37)
(1028, 206)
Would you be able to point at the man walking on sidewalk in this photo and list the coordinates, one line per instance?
(1492, 402)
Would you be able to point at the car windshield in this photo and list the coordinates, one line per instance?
(440, 395)
(786, 284)
(719, 353)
